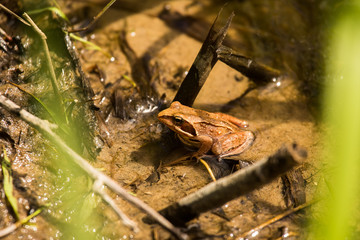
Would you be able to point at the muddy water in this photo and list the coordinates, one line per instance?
(278, 113)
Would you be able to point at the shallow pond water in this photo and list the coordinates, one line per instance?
(277, 113)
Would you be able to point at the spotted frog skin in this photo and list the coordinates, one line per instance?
(219, 133)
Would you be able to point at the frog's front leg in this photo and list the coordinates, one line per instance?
(206, 143)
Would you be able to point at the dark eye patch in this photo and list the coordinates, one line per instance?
(178, 120)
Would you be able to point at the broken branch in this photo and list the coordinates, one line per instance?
(228, 188)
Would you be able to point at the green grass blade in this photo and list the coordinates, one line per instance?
(36, 99)
(58, 122)
(104, 9)
(55, 10)
(8, 183)
(34, 214)
(90, 45)
(127, 78)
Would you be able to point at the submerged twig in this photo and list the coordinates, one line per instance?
(94, 20)
(98, 188)
(14, 14)
(259, 73)
(204, 62)
(277, 218)
(218, 193)
(140, 78)
(293, 189)
(45, 128)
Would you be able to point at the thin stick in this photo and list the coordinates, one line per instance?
(94, 20)
(44, 127)
(98, 188)
(228, 188)
(3, 33)
(15, 15)
(277, 218)
(54, 82)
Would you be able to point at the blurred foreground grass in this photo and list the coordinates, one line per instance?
(342, 118)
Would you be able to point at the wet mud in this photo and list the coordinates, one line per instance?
(130, 88)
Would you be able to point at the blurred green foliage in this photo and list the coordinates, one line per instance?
(342, 118)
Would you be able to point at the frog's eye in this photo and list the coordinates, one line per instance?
(178, 120)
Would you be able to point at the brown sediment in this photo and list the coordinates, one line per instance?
(276, 114)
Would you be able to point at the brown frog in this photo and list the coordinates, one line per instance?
(219, 133)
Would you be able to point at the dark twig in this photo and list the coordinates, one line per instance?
(138, 67)
(89, 92)
(218, 193)
(15, 15)
(293, 189)
(204, 62)
(94, 20)
(259, 73)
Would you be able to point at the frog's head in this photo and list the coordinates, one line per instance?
(179, 119)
